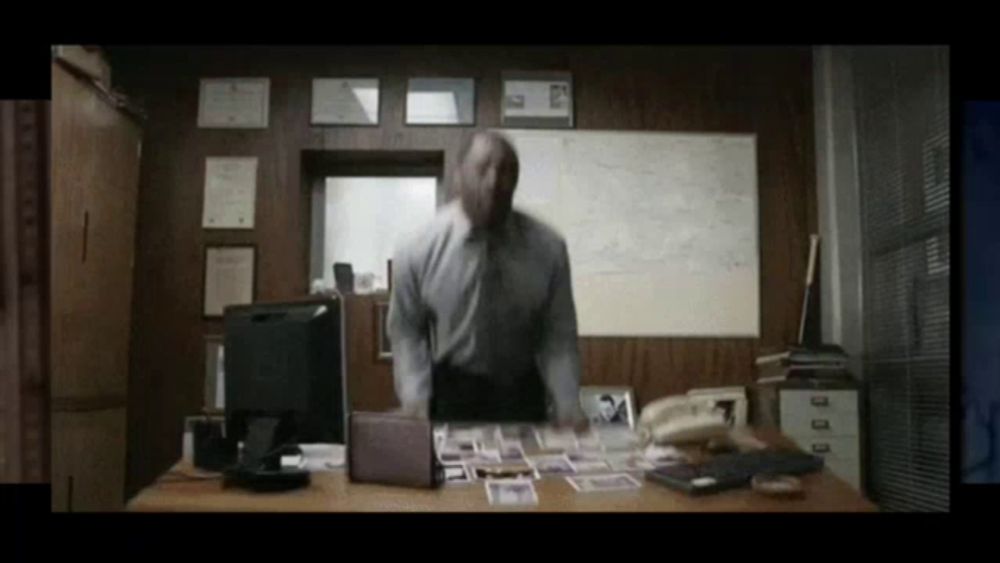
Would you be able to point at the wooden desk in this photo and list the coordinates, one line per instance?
(332, 492)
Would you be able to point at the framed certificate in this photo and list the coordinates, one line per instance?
(229, 278)
(345, 101)
(441, 101)
(230, 193)
(215, 384)
(537, 99)
(234, 103)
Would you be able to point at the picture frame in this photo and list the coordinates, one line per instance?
(229, 278)
(214, 374)
(731, 400)
(229, 198)
(383, 345)
(608, 405)
(537, 99)
(427, 102)
(234, 103)
(347, 101)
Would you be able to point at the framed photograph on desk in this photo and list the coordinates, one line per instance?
(608, 406)
(383, 346)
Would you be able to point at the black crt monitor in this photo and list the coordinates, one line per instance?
(284, 374)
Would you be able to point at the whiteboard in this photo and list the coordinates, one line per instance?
(662, 228)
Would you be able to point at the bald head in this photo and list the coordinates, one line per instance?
(487, 176)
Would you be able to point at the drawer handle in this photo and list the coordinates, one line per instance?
(821, 448)
(821, 401)
(820, 424)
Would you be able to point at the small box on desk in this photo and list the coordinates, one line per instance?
(205, 444)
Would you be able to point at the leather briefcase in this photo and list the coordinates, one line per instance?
(392, 449)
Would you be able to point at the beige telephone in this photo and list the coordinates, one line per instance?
(679, 419)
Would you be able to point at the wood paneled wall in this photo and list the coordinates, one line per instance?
(763, 90)
(24, 292)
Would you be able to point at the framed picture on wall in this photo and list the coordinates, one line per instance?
(215, 386)
(537, 100)
(383, 346)
(229, 278)
(233, 103)
(441, 101)
(608, 406)
(345, 101)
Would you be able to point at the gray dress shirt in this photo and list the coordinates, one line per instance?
(496, 304)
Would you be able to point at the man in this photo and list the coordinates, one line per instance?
(482, 319)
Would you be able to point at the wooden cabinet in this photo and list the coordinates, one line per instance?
(95, 178)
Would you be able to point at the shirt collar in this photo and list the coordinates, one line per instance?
(466, 231)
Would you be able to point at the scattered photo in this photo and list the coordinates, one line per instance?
(604, 483)
(617, 437)
(630, 463)
(504, 472)
(482, 457)
(591, 466)
(552, 465)
(511, 493)
(511, 451)
(529, 438)
(557, 439)
(468, 433)
(577, 456)
(511, 432)
(457, 474)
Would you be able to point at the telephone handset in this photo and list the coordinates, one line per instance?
(681, 418)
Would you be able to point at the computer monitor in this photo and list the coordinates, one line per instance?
(284, 374)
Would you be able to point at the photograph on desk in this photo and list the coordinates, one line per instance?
(643, 263)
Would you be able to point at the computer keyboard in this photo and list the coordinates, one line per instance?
(730, 471)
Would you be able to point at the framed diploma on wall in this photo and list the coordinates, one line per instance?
(230, 192)
(229, 278)
(441, 101)
(345, 101)
(234, 103)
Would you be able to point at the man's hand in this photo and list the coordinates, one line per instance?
(576, 420)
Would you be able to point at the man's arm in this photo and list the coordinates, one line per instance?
(408, 330)
(559, 356)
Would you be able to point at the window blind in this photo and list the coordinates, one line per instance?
(901, 108)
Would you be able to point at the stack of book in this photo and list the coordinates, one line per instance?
(825, 361)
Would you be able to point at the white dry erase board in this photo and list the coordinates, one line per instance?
(662, 228)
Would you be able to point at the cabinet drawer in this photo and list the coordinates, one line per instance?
(818, 401)
(819, 425)
(847, 469)
(830, 449)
